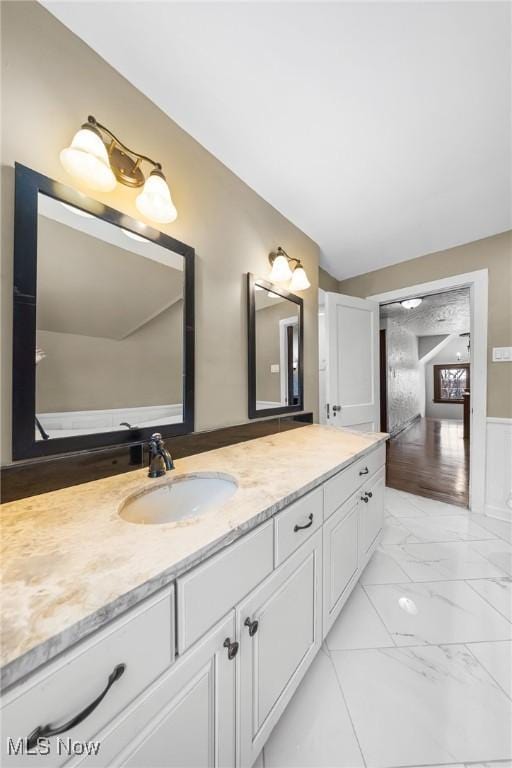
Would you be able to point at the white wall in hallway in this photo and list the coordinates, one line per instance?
(446, 355)
(498, 481)
(404, 376)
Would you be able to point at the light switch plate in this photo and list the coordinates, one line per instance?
(502, 354)
(274, 368)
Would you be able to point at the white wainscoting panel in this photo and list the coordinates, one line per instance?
(498, 481)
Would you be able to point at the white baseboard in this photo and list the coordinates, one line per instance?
(498, 480)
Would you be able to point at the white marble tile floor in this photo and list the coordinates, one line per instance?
(416, 671)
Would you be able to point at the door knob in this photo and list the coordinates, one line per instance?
(336, 408)
(369, 494)
(232, 648)
(365, 499)
(252, 626)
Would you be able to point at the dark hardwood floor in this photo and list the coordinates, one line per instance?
(431, 459)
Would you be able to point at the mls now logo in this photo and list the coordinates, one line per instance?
(68, 747)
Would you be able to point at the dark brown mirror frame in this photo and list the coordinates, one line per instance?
(28, 184)
(252, 281)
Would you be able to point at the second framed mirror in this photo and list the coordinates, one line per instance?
(275, 349)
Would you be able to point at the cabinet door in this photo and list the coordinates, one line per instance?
(372, 513)
(340, 559)
(187, 718)
(275, 653)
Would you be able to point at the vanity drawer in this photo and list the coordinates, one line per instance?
(142, 640)
(340, 487)
(207, 593)
(294, 525)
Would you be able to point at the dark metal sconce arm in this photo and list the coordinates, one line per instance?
(91, 121)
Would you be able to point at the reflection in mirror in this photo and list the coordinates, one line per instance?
(275, 349)
(110, 307)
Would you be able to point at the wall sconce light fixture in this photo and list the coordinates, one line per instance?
(98, 159)
(282, 270)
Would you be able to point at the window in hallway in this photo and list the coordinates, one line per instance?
(451, 382)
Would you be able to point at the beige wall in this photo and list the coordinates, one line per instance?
(492, 253)
(51, 82)
(81, 373)
(326, 281)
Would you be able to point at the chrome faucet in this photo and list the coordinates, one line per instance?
(160, 460)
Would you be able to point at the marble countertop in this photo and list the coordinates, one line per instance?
(70, 563)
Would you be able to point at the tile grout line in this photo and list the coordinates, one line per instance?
(338, 681)
(419, 645)
(378, 614)
(478, 763)
(491, 677)
(434, 581)
(483, 596)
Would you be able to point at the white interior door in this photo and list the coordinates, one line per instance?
(352, 328)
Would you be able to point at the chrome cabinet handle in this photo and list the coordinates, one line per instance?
(303, 527)
(252, 626)
(232, 648)
(364, 471)
(52, 730)
(336, 408)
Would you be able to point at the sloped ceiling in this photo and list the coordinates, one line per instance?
(93, 288)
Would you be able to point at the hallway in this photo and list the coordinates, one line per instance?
(431, 459)
(416, 671)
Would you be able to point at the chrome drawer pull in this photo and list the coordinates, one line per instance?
(52, 730)
(303, 527)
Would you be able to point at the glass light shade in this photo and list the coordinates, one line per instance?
(299, 281)
(155, 202)
(87, 160)
(280, 271)
(411, 303)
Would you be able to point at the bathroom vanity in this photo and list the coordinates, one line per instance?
(181, 644)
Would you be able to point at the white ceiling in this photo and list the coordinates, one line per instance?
(380, 129)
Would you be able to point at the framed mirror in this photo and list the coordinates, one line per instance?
(276, 349)
(103, 329)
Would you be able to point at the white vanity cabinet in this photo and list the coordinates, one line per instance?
(187, 719)
(341, 558)
(62, 699)
(280, 631)
(372, 513)
(212, 661)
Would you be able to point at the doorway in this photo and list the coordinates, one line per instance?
(425, 392)
(437, 449)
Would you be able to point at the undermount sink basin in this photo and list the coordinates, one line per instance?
(184, 498)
